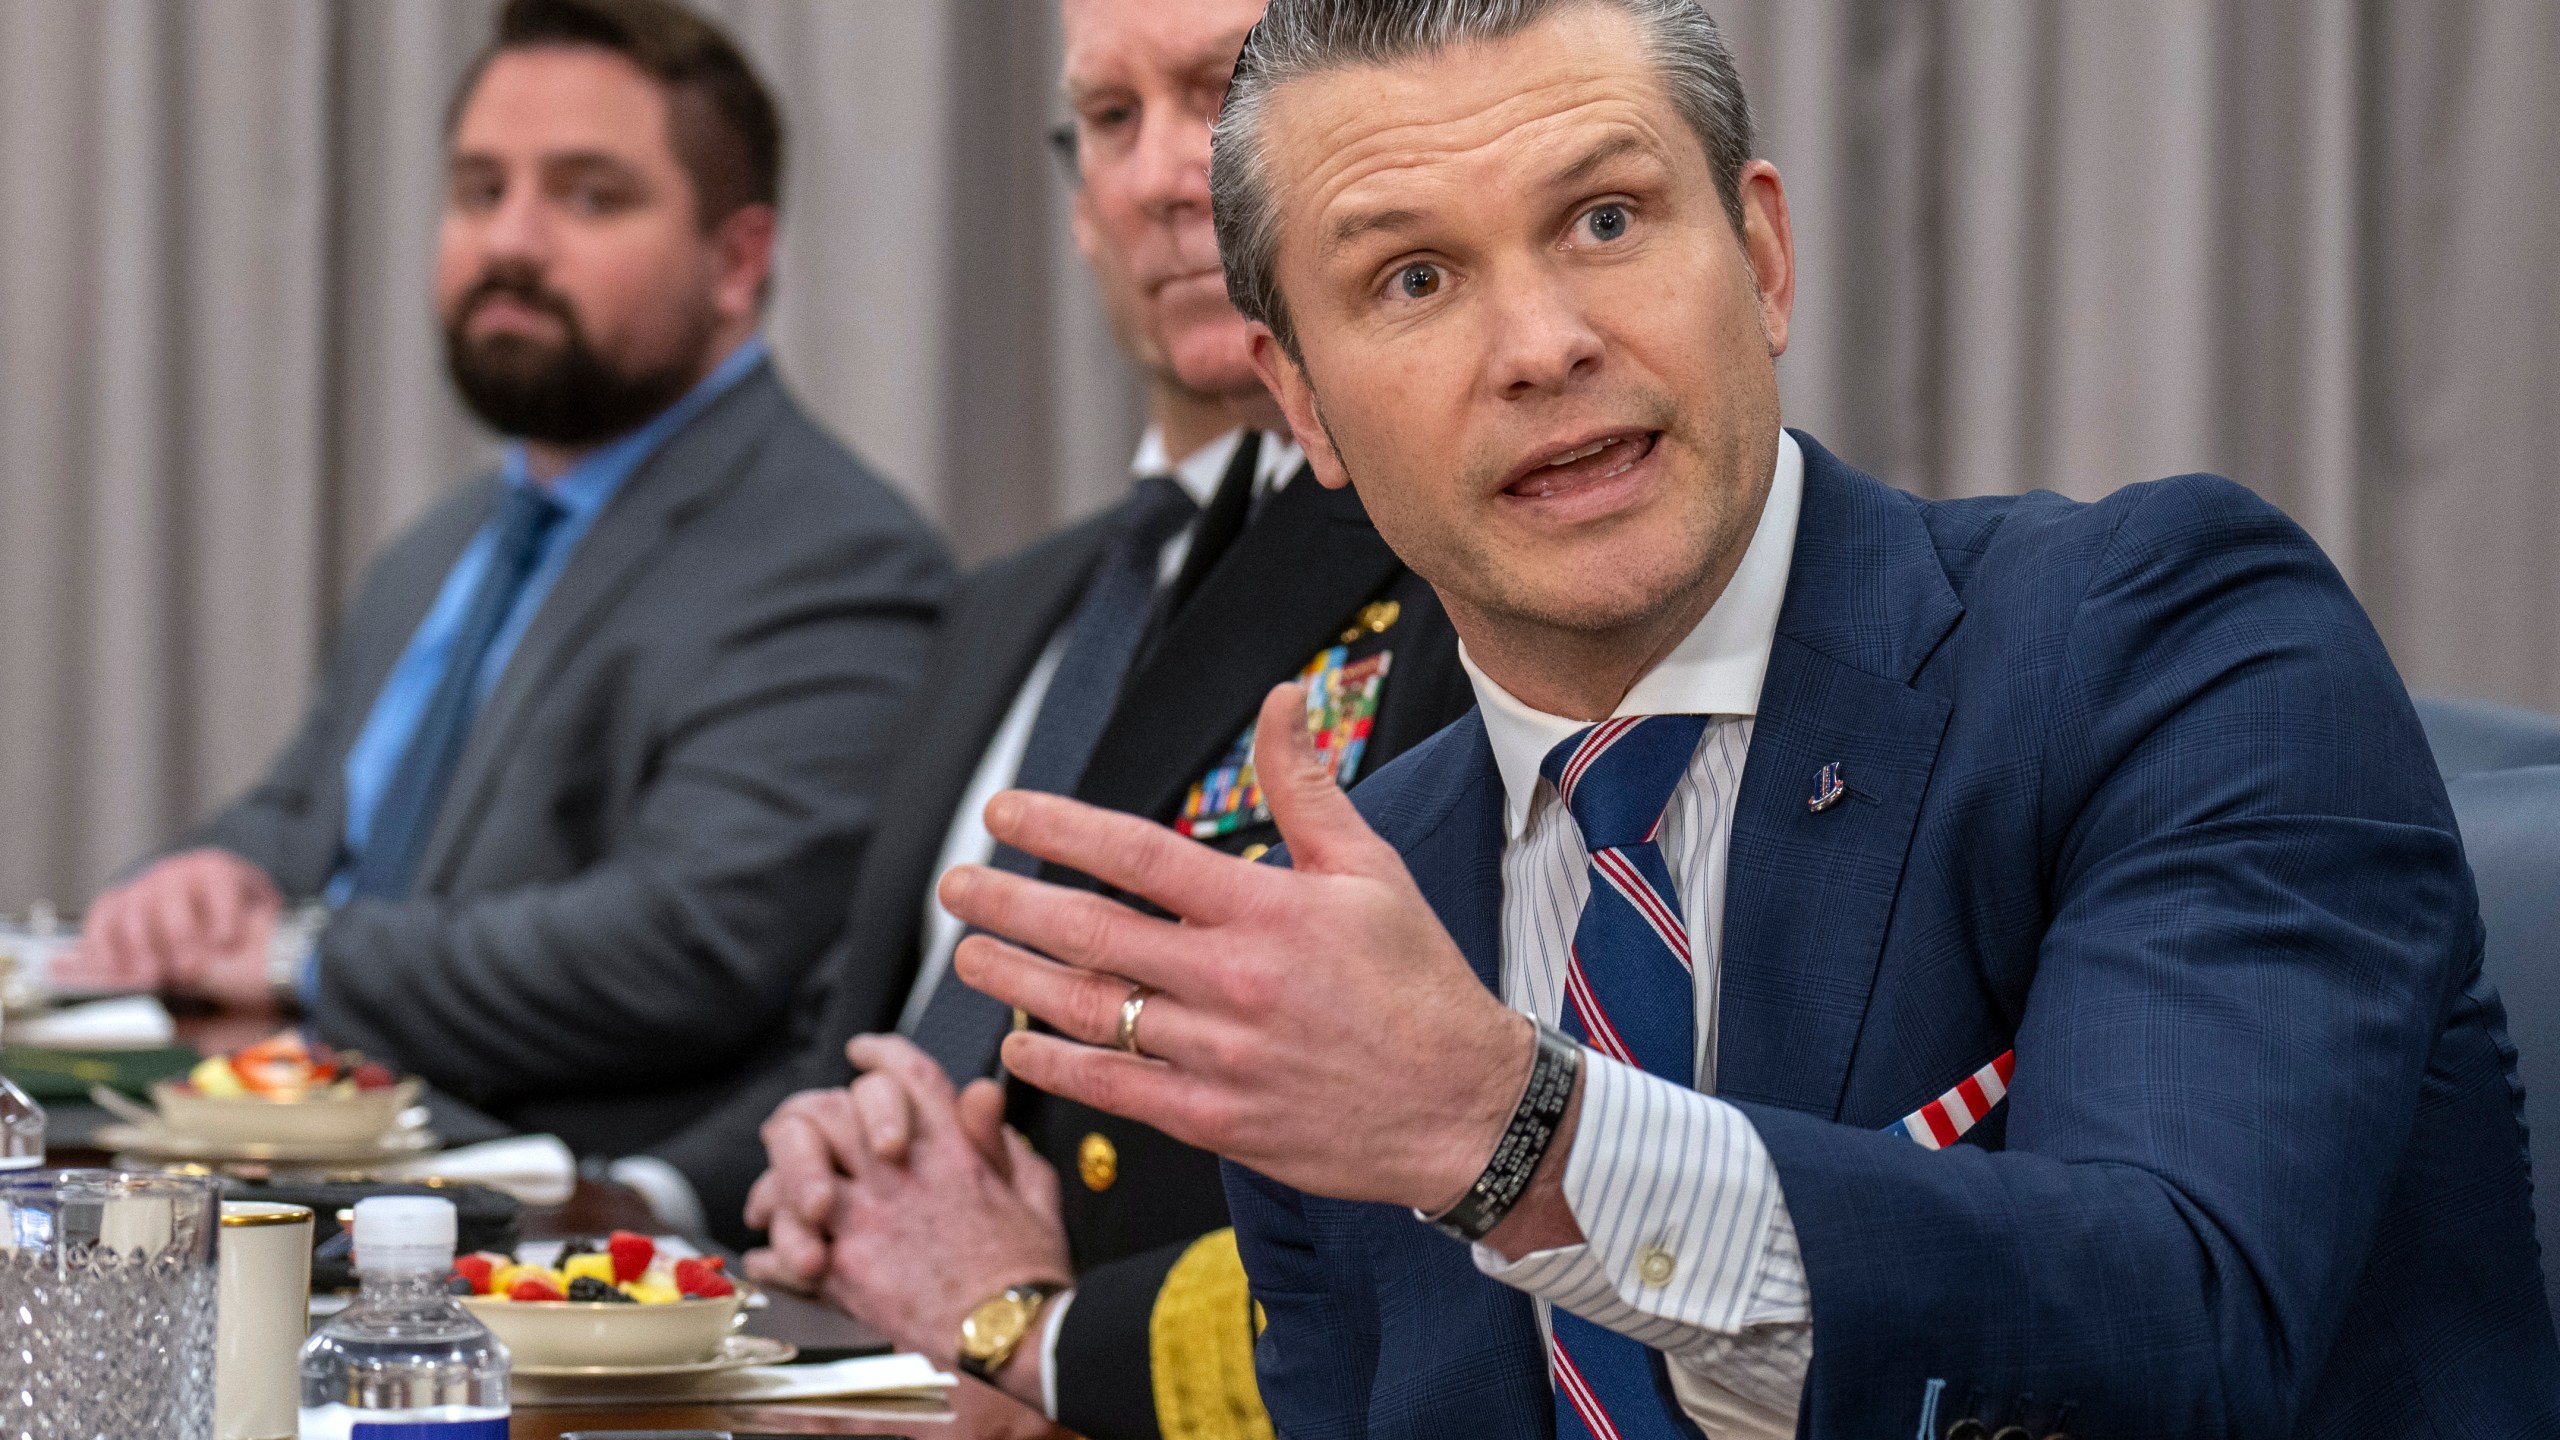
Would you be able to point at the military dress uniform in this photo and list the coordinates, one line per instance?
(1278, 582)
(1158, 1339)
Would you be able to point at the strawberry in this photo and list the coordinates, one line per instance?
(277, 1065)
(700, 1278)
(631, 1254)
(477, 1269)
(535, 1287)
(372, 1075)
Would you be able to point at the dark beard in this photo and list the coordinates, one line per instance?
(564, 394)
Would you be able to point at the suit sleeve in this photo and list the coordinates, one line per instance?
(721, 1153)
(2259, 918)
(275, 824)
(678, 950)
(1311, 1362)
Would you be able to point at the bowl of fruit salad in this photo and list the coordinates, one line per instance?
(285, 1090)
(619, 1302)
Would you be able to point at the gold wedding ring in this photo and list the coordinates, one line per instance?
(1130, 1010)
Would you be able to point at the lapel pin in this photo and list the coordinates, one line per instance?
(1828, 787)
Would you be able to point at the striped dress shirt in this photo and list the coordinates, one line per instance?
(1687, 1244)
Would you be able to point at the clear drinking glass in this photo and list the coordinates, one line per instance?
(21, 1118)
(107, 1285)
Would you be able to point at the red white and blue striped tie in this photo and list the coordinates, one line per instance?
(1628, 995)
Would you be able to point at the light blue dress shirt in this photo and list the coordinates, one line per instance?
(582, 492)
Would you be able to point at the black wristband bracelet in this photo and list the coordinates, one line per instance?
(1524, 1141)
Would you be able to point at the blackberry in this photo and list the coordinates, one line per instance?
(588, 1287)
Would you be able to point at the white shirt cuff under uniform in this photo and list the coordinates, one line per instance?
(1687, 1248)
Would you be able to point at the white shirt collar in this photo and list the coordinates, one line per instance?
(1199, 472)
(1716, 670)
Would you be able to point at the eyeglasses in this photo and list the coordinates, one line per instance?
(1063, 146)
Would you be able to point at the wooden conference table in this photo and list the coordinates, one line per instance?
(975, 1412)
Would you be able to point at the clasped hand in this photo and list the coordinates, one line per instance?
(903, 1201)
(1315, 1023)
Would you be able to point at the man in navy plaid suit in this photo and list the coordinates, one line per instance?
(1866, 967)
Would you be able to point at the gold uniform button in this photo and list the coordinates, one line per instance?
(1254, 851)
(1098, 1161)
(1655, 1265)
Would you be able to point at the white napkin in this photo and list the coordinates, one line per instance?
(866, 1376)
(133, 1022)
(536, 1169)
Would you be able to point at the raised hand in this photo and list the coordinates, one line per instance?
(1316, 1023)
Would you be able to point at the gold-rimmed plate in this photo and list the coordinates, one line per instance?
(736, 1352)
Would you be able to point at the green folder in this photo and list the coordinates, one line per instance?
(68, 1074)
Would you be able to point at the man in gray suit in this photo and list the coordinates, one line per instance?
(589, 766)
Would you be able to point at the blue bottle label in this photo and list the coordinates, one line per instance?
(431, 1430)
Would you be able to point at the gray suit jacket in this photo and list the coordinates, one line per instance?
(650, 835)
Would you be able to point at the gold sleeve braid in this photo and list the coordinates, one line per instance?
(1200, 1342)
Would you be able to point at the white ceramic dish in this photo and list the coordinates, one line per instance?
(575, 1337)
(324, 1119)
(150, 1142)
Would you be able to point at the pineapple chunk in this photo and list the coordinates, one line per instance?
(651, 1289)
(594, 1267)
(504, 1278)
(214, 1078)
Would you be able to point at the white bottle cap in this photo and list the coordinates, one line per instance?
(404, 1233)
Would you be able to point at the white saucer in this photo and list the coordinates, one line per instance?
(737, 1352)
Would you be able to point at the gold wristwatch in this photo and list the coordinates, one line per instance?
(996, 1328)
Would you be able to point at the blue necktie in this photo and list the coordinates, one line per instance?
(960, 1027)
(406, 814)
(1629, 995)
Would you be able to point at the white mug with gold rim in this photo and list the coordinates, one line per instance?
(264, 1315)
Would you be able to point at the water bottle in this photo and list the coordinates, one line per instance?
(21, 1129)
(406, 1361)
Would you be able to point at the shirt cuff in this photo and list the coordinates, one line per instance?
(293, 954)
(1053, 1325)
(1687, 1241)
(670, 1196)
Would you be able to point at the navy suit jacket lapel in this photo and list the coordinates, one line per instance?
(1447, 824)
(1452, 841)
(1808, 894)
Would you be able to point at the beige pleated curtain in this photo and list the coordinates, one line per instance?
(2067, 243)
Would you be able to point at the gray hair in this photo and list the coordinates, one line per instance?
(1300, 38)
